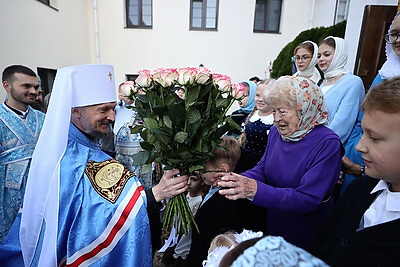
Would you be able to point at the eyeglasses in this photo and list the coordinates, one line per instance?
(304, 58)
(391, 38)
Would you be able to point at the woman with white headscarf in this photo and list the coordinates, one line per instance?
(343, 95)
(306, 57)
(391, 67)
(343, 91)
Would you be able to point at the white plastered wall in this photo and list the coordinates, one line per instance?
(35, 35)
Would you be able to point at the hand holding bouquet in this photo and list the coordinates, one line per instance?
(182, 133)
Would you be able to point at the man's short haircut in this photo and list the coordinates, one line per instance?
(8, 73)
(384, 97)
(227, 152)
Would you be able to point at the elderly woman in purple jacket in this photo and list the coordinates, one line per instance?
(300, 167)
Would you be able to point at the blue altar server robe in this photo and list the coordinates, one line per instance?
(18, 137)
(10, 249)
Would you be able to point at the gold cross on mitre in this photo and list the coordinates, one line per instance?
(110, 75)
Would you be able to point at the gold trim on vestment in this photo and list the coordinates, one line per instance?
(108, 178)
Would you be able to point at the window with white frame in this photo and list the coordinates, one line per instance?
(139, 13)
(204, 14)
(342, 9)
(267, 17)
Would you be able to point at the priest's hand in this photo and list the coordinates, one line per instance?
(170, 185)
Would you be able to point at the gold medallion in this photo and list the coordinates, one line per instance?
(108, 178)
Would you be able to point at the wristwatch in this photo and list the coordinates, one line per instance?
(362, 170)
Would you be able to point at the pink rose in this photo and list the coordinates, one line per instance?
(144, 78)
(203, 75)
(165, 77)
(126, 88)
(222, 82)
(186, 75)
(239, 91)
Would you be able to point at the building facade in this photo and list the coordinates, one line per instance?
(233, 37)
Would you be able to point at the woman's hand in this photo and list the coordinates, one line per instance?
(170, 185)
(235, 186)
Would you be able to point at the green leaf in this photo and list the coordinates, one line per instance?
(193, 127)
(170, 99)
(180, 137)
(192, 94)
(146, 168)
(193, 115)
(146, 146)
(140, 157)
(136, 129)
(222, 103)
(142, 98)
(186, 155)
(232, 123)
(150, 123)
(196, 168)
(167, 121)
(163, 138)
(177, 115)
(160, 110)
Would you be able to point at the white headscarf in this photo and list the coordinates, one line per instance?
(339, 58)
(75, 86)
(311, 72)
(391, 67)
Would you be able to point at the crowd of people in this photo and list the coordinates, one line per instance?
(312, 178)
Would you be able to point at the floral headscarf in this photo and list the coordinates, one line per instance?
(311, 108)
(391, 67)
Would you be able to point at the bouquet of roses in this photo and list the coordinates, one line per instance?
(182, 132)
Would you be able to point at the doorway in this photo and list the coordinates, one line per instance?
(371, 48)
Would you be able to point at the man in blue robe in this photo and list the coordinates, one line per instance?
(81, 207)
(20, 126)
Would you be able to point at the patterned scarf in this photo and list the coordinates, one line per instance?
(311, 108)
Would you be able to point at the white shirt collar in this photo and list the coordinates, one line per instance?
(392, 199)
(381, 185)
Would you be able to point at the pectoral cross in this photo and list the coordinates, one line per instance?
(110, 75)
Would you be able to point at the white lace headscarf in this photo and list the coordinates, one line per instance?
(339, 58)
(276, 251)
(391, 67)
(311, 72)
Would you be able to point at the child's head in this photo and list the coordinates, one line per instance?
(262, 89)
(224, 158)
(223, 243)
(180, 92)
(380, 143)
(223, 240)
(195, 185)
